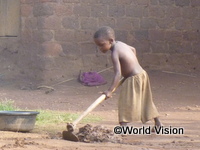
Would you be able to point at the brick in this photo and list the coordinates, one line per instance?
(121, 35)
(37, 36)
(91, 2)
(26, 10)
(100, 61)
(154, 60)
(183, 24)
(28, 1)
(142, 46)
(71, 48)
(84, 35)
(47, 35)
(3, 45)
(52, 49)
(63, 10)
(195, 3)
(107, 21)
(124, 24)
(131, 40)
(180, 47)
(141, 34)
(136, 11)
(125, 2)
(166, 2)
(154, 2)
(42, 10)
(88, 23)
(156, 35)
(195, 47)
(136, 23)
(71, 1)
(88, 48)
(107, 2)
(155, 11)
(173, 12)
(97, 61)
(173, 36)
(190, 13)
(64, 35)
(191, 36)
(52, 22)
(182, 61)
(148, 23)
(40, 22)
(159, 47)
(196, 25)
(70, 23)
(72, 66)
(82, 10)
(30, 23)
(43, 36)
(117, 11)
(44, 1)
(143, 2)
(165, 23)
(182, 3)
(99, 11)
(26, 36)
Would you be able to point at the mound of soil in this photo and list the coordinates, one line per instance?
(91, 134)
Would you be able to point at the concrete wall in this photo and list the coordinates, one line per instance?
(56, 35)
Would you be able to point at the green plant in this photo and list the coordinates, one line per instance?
(54, 121)
(7, 105)
(54, 117)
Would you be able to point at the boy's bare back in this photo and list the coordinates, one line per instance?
(124, 60)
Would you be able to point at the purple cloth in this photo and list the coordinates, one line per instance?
(92, 79)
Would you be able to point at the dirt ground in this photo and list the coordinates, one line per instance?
(177, 97)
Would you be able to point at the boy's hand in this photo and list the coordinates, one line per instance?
(108, 94)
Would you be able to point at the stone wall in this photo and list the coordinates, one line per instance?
(56, 35)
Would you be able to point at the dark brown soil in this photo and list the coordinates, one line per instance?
(90, 134)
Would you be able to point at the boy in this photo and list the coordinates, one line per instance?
(135, 100)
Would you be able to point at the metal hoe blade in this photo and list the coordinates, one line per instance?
(68, 135)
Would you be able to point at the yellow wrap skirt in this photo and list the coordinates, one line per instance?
(135, 100)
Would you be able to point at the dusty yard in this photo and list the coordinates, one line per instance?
(177, 97)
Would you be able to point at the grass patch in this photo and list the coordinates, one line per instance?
(7, 105)
(54, 121)
(49, 117)
(55, 118)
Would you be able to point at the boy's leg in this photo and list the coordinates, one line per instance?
(123, 123)
(157, 124)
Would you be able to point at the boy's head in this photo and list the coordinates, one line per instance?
(104, 38)
(105, 32)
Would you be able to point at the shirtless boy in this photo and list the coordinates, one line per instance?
(135, 100)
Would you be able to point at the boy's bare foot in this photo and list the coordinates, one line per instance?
(123, 123)
(157, 124)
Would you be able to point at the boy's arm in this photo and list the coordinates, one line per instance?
(117, 76)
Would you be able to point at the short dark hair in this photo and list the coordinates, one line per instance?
(105, 32)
